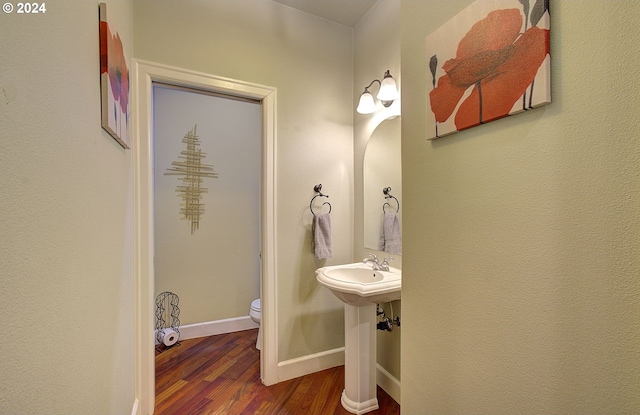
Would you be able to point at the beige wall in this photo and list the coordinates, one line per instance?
(521, 237)
(376, 49)
(66, 266)
(309, 61)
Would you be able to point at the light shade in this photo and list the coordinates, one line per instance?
(388, 89)
(366, 105)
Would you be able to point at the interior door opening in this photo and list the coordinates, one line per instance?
(146, 74)
(206, 187)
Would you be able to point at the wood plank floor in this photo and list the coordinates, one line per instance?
(221, 375)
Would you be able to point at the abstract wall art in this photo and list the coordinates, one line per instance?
(114, 81)
(490, 61)
(192, 171)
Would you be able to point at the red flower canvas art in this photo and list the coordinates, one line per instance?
(490, 61)
(114, 82)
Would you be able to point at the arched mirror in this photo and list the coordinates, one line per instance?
(382, 170)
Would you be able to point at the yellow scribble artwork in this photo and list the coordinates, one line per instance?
(193, 171)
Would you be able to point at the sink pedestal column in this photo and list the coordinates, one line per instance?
(359, 395)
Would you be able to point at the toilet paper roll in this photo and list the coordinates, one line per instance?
(170, 337)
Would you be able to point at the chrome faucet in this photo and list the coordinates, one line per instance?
(376, 264)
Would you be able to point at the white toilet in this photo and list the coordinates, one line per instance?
(254, 313)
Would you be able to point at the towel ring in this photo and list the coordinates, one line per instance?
(388, 195)
(317, 188)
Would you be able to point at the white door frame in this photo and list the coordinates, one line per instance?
(144, 74)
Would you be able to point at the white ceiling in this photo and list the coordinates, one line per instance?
(345, 12)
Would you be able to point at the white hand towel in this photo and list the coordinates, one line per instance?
(390, 238)
(321, 234)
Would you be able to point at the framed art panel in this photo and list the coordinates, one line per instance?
(114, 81)
(490, 61)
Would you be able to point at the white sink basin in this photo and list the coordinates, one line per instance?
(359, 284)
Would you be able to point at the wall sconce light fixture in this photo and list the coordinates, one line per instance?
(387, 94)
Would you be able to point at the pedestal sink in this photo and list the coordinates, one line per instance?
(360, 288)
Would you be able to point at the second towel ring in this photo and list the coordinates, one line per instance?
(388, 195)
(317, 188)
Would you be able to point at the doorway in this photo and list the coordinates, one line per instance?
(145, 74)
(207, 156)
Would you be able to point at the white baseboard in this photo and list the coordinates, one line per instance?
(211, 328)
(312, 363)
(388, 382)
